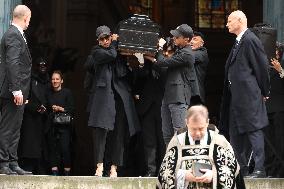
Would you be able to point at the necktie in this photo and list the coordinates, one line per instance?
(236, 44)
(24, 36)
(197, 142)
(234, 49)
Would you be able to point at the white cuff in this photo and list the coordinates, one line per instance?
(281, 73)
(17, 93)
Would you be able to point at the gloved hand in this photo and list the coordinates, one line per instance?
(161, 42)
(140, 57)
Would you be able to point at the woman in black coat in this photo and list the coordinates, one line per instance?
(59, 100)
(32, 142)
(111, 106)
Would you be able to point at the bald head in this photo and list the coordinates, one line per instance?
(20, 11)
(237, 22)
(21, 16)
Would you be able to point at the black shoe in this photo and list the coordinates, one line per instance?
(54, 172)
(66, 173)
(7, 171)
(20, 171)
(257, 174)
(150, 174)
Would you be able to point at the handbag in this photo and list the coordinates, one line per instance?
(62, 118)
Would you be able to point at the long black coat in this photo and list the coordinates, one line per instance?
(32, 130)
(150, 87)
(200, 65)
(16, 64)
(181, 80)
(275, 103)
(247, 70)
(109, 73)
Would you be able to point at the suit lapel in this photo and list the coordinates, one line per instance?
(238, 47)
(26, 45)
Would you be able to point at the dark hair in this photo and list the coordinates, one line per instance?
(57, 72)
(169, 43)
(280, 49)
(197, 33)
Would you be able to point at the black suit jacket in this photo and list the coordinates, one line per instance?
(15, 66)
(149, 84)
(247, 70)
(181, 83)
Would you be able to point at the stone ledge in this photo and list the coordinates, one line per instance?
(265, 183)
(90, 182)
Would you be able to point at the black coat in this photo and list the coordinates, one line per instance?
(109, 73)
(181, 83)
(15, 66)
(150, 87)
(200, 64)
(247, 70)
(33, 126)
(275, 103)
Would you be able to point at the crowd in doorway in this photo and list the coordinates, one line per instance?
(159, 97)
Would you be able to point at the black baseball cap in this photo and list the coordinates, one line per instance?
(182, 30)
(102, 31)
(197, 33)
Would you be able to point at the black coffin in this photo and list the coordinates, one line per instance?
(138, 34)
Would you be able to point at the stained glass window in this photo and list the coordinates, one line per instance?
(214, 13)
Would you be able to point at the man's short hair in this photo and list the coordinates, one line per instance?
(197, 112)
(197, 33)
(20, 11)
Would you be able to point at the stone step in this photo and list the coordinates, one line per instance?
(90, 182)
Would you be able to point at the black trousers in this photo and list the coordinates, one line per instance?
(109, 145)
(11, 117)
(244, 143)
(274, 145)
(154, 146)
(59, 144)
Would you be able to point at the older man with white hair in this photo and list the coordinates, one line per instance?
(246, 87)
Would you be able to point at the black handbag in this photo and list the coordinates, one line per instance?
(62, 118)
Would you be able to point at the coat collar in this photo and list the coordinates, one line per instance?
(232, 55)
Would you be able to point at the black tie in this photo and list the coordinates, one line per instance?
(197, 142)
(236, 44)
(234, 49)
(25, 37)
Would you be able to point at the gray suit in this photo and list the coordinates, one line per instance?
(15, 74)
